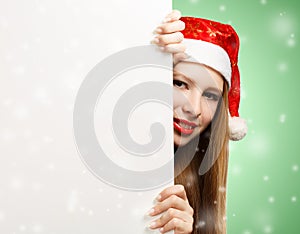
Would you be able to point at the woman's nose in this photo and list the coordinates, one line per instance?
(192, 105)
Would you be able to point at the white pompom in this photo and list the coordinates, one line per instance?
(238, 128)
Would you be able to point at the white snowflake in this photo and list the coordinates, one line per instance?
(136, 212)
(2, 216)
(267, 229)
(16, 183)
(259, 145)
(282, 118)
(37, 228)
(282, 67)
(76, 10)
(47, 139)
(51, 166)
(33, 147)
(263, 2)
(41, 9)
(222, 189)
(40, 93)
(74, 43)
(41, 70)
(22, 228)
(243, 94)
(18, 70)
(80, 65)
(243, 39)
(7, 135)
(37, 186)
(72, 201)
(37, 40)
(70, 107)
(282, 13)
(100, 190)
(295, 167)
(249, 121)
(21, 112)
(65, 50)
(4, 23)
(200, 224)
(91, 213)
(236, 169)
(246, 232)
(9, 57)
(25, 46)
(7, 102)
(27, 133)
(194, 1)
(291, 42)
(222, 8)
(119, 205)
(293, 198)
(266, 178)
(271, 199)
(283, 26)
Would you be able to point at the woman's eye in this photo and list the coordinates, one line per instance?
(179, 84)
(211, 96)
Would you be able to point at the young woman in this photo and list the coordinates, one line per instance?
(205, 88)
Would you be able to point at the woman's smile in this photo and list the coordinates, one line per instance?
(183, 126)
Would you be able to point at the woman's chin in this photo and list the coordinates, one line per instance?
(179, 141)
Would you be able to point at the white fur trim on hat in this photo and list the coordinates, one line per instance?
(210, 55)
(238, 128)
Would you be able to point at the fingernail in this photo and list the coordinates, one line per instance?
(152, 225)
(161, 230)
(159, 196)
(155, 41)
(166, 19)
(150, 212)
(158, 30)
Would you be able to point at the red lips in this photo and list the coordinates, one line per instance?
(183, 126)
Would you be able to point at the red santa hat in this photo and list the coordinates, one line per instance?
(216, 45)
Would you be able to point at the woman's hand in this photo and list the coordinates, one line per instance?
(169, 37)
(178, 215)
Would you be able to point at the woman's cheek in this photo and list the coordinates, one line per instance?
(178, 98)
(207, 113)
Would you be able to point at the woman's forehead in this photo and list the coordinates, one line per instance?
(202, 76)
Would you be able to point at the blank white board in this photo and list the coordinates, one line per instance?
(51, 53)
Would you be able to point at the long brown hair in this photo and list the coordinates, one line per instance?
(207, 192)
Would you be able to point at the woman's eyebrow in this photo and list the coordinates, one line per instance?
(215, 89)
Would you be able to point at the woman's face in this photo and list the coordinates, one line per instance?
(196, 93)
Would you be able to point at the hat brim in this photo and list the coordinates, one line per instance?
(209, 54)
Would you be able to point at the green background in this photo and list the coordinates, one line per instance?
(264, 170)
